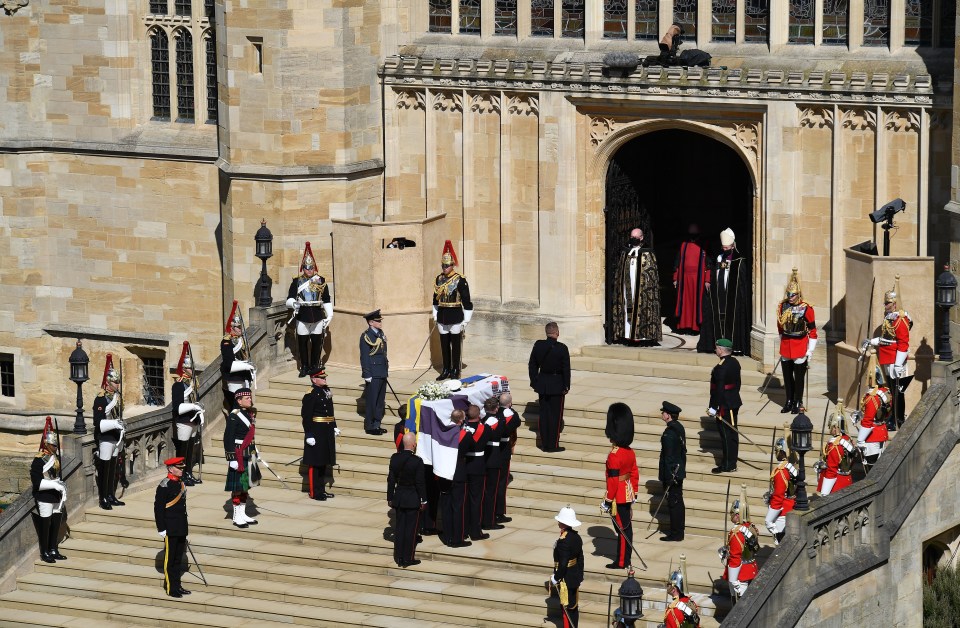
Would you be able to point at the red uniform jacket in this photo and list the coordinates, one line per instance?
(740, 555)
(837, 451)
(623, 477)
(796, 325)
(871, 406)
(783, 475)
(894, 336)
(675, 615)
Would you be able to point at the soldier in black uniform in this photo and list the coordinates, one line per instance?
(476, 467)
(108, 431)
(374, 368)
(452, 310)
(50, 493)
(319, 432)
(170, 513)
(494, 428)
(673, 468)
(567, 573)
(507, 441)
(235, 365)
(407, 495)
(239, 451)
(309, 298)
(725, 403)
(453, 494)
(549, 368)
(187, 413)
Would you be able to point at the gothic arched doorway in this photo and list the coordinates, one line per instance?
(663, 182)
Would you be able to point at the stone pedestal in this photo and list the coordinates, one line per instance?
(868, 277)
(370, 276)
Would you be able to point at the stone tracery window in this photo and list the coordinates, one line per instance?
(185, 101)
(505, 17)
(160, 74)
(470, 17)
(211, 49)
(724, 24)
(756, 20)
(648, 16)
(835, 18)
(685, 14)
(541, 18)
(918, 25)
(182, 7)
(802, 22)
(615, 19)
(574, 18)
(158, 7)
(876, 22)
(441, 16)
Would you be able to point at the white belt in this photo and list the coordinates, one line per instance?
(474, 454)
(494, 443)
(238, 442)
(505, 440)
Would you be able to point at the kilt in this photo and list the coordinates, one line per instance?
(238, 482)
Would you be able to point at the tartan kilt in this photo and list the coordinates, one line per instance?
(235, 479)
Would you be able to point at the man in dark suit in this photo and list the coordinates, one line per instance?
(476, 435)
(725, 403)
(374, 368)
(407, 495)
(453, 493)
(549, 368)
(170, 514)
(673, 468)
(495, 427)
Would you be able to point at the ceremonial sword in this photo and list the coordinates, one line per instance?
(195, 562)
(624, 537)
(665, 494)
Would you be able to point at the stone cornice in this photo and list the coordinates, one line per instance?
(589, 79)
(257, 172)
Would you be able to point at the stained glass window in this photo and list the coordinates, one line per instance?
(876, 22)
(835, 15)
(182, 7)
(211, 45)
(948, 23)
(647, 19)
(685, 15)
(801, 22)
(469, 17)
(441, 15)
(724, 23)
(158, 7)
(756, 20)
(160, 74)
(918, 27)
(615, 19)
(505, 17)
(541, 18)
(184, 76)
(574, 18)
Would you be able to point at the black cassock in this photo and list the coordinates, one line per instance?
(726, 306)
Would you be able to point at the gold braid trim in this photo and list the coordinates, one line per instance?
(374, 346)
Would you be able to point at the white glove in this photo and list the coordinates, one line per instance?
(901, 359)
(336, 431)
(292, 304)
(200, 414)
(811, 345)
(311, 441)
(875, 342)
(51, 485)
(234, 465)
(163, 533)
(434, 313)
(368, 379)
(107, 425)
(467, 315)
(185, 407)
(605, 506)
(802, 360)
(553, 580)
(711, 412)
(328, 310)
(240, 365)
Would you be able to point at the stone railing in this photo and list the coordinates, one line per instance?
(849, 534)
(148, 441)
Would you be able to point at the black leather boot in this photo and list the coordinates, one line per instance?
(101, 472)
(53, 542)
(445, 352)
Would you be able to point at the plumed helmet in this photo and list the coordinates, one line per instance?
(449, 256)
(308, 262)
(874, 374)
(678, 578)
(740, 506)
(793, 286)
(782, 444)
(234, 319)
(110, 374)
(619, 424)
(49, 437)
(184, 362)
(727, 237)
(838, 419)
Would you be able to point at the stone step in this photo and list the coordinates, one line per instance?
(644, 368)
(50, 618)
(658, 355)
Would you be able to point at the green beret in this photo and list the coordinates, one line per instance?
(723, 342)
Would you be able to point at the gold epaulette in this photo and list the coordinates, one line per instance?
(228, 337)
(615, 449)
(41, 454)
(563, 534)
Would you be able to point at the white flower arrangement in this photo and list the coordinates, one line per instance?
(432, 391)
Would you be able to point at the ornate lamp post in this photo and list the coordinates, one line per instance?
(631, 601)
(79, 363)
(946, 285)
(801, 434)
(264, 241)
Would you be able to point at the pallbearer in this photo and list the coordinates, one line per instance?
(309, 298)
(319, 432)
(108, 431)
(187, 413)
(50, 494)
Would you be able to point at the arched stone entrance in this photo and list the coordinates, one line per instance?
(669, 178)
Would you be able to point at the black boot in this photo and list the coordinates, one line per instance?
(114, 476)
(43, 535)
(53, 542)
(303, 350)
(445, 352)
(455, 345)
(101, 470)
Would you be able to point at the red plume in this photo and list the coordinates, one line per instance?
(448, 250)
(107, 367)
(47, 428)
(183, 356)
(226, 327)
(307, 251)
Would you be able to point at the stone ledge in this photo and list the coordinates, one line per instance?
(110, 149)
(350, 171)
(81, 332)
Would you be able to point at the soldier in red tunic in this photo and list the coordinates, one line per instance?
(682, 612)
(783, 490)
(623, 480)
(893, 350)
(834, 469)
(743, 543)
(798, 339)
(871, 419)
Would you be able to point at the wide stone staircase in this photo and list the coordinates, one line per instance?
(330, 563)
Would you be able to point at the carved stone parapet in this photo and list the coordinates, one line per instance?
(902, 121)
(858, 119)
(816, 117)
(12, 6)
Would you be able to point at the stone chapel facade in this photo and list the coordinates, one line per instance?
(142, 142)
